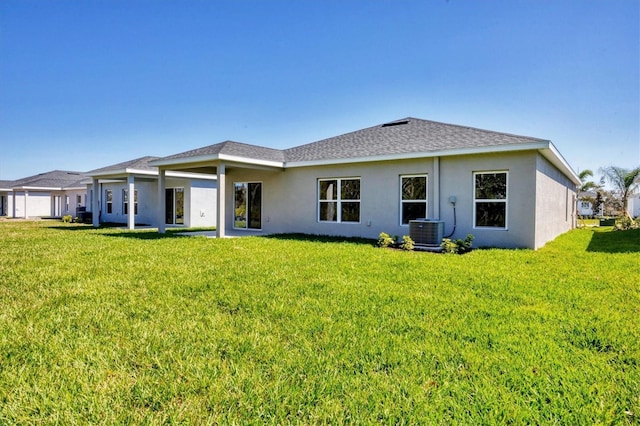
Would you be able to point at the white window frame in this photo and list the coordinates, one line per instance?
(66, 203)
(492, 200)
(338, 200)
(79, 200)
(425, 201)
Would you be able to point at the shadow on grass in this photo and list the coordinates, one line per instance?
(321, 238)
(615, 241)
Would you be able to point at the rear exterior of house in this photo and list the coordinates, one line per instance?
(508, 191)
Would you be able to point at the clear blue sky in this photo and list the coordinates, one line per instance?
(85, 84)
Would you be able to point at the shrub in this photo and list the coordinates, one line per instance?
(407, 243)
(385, 240)
(458, 246)
(625, 223)
(66, 218)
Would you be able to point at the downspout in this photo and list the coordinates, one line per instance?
(436, 188)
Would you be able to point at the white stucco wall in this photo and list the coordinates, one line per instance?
(200, 200)
(38, 204)
(147, 196)
(289, 198)
(556, 202)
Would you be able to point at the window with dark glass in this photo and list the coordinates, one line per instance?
(247, 198)
(490, 200)
(413, 190)
(339, 200)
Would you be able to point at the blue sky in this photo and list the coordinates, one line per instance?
(86, 84)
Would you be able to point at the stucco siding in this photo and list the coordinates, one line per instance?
(555, 203)
(290, 197)
(36, 204)
(201, 203)
(147, 202)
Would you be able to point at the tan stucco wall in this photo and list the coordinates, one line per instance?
(289, 198)
(556, 202)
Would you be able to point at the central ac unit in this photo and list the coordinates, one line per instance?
(426, 232)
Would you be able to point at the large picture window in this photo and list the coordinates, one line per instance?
(339, 200)
(247, 202)
(413, 198)
(490, 200)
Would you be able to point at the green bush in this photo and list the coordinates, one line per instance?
(458, 246)
(67, 218)
(385, 240)
(625, 223)
(407, 243)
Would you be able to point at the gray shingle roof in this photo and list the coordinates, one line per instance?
(141, 163)
(408, 135)
(232, 148)
(52, 179)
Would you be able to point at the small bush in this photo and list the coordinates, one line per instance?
(67, 218)
(385, 240)
(625, 223)
(407, 243)
(458, 246)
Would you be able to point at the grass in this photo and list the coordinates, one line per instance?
(106, 326)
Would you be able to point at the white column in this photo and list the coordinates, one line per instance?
(220, 213)
(95, 204)
(131, 216)
(162, 200)
(26, 203)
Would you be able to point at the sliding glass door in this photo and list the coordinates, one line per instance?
(174, 206)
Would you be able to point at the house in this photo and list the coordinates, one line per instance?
(633, 206)
(188, 199)
(506, 190)
(585, 204)
(52, 194)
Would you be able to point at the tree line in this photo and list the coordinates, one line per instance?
(623, 184)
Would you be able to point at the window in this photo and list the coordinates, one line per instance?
(79, 200)
(66, 203)
(413, 198)
(490, 200)
(108, 196)
(247, 203)
(125, 201)
(339, 200)
(174, 206)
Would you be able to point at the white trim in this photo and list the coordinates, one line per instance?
(216, 157)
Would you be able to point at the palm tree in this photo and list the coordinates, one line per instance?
(585, 186)
(624, 183)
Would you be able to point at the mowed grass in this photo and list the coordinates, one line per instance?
(113, 327)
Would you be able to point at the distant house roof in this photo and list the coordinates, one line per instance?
(6, 185)
(56, 179)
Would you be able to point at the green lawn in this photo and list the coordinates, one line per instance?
(107, 326)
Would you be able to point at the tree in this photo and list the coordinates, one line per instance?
(624, 183)
(585, 187)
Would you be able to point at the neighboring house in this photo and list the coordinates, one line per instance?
(585, 204)
(633, 206)
(506, 190)
(189, 199)
(52, 194)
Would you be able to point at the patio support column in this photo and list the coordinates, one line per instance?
(95, 204)
(220, 193)
(26, 202)
(436, 188)
(162, 200)
(131, 214)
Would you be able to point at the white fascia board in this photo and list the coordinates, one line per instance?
(74, 188)
(244, 160)
(412, 155)
(553, 155)
(123, 173)
(40, 188)
(189, 175)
